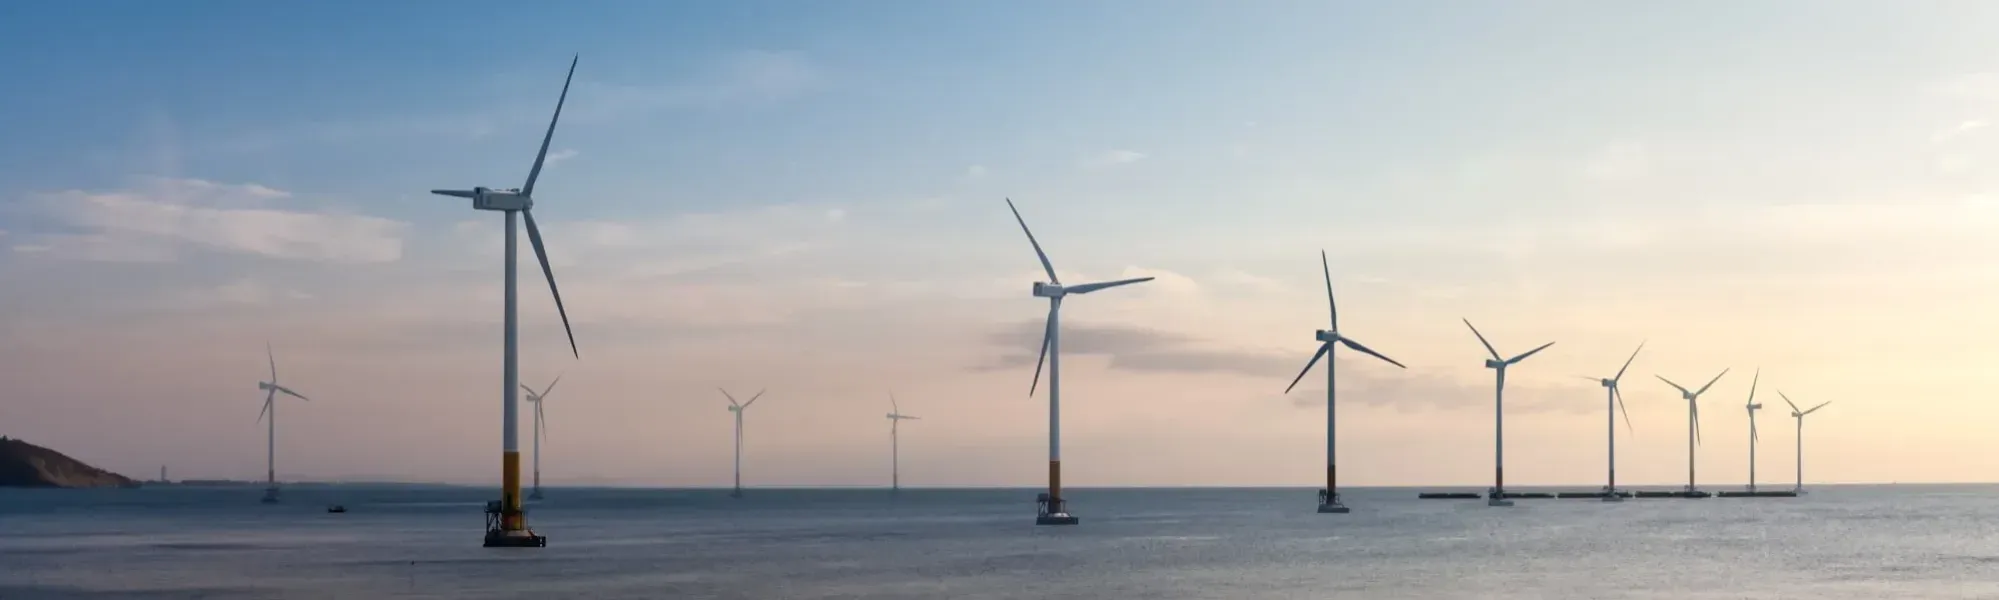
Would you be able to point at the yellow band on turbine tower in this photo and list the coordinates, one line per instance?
(510, 493)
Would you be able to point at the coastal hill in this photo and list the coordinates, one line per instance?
(26, 465)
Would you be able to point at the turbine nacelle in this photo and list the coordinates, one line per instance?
(500, 199)
(1609, 383)
(1326, 336)
(1495, 364)
(265, 386)
(1049, 290)
(734, 408)
(1755, 407)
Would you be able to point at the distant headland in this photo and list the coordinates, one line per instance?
(26, 465)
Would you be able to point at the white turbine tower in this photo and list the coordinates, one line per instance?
(1329, 498)
(1497, 497)
(1752, 407)
(1800, 416)
(737, 409)
(895, 417)
(540, 429)
(1052, 510)
(1693, 420)
(271, 390)
(506, 520)
(1613, 404)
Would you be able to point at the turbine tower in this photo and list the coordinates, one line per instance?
(506, 520)
(1613, 404)
(271, 390)
(1800, 416)
(1752, 407)
(1052, 510)
(737, 409)
(1497, 497)
(540, 429)
(1693, 420)
(895, 417)
(1329, 498)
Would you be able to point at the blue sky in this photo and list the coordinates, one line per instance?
(807, 196)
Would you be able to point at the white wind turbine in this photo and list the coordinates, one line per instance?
(1693, 419)
(1752, 407)
(1052, 510)
(1613, 404)
(1497, 497)
(737, 409)
(540, 429)
(1800, 416)
(895, 417)
(269, 415)
(1329, 498)
(506, 520)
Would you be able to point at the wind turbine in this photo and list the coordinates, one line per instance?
(1800, 416)
(540, 429)
(1693, 419)
(1052, 509)
(1329, 498)
(506, 520)
(1752, 407)
(737, 409)
(1613, 404)
(895, 417)
(1497, 497)
(270, 410)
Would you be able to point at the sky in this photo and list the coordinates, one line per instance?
(809, 199)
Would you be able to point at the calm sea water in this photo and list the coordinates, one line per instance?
(423, 542)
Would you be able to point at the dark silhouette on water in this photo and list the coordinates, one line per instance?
(27, 465)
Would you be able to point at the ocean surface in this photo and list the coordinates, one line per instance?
(1870, 542)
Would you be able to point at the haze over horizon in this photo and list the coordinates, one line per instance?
(807, 198)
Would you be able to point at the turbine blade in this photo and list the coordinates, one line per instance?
(455, 193)
(550, 388)
(540, 421)
(893, 407)
(1327, 267)
(1676, 386)
(267, 408)
(732, 399)
(753, 399)
(541, 254)
(908, 417)
(1619, 395)
(1369, 351)
(273, 356)
(291, 393)
(1697, 424)
(542, 156)
(1524, 355)
(1752, 429)
(530, 392)
(1047, 334)
(1323, 350)
(1752, 399)
(1050, 267)
(1091, 287)
(1481, 339)
(1710, 382)
(1627, 362)
(1815, 408)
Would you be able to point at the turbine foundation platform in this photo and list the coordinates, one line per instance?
(270, 495)
(1053, 511)
(1447, 496)
(1674, 494)
(1599, 494)
(1525, 495)
(536, 495)
(1329, 503)
(1757, 494)
(1498, 501)
(498, 536)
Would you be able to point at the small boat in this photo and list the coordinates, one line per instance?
(336, 509)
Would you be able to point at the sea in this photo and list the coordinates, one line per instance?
(399, 541)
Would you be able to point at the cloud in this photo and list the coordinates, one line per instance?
(975, 171)
(562, 155)
(1362, 379)
(154, 222)
(1111, 159)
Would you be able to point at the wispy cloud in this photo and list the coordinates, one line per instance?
(1112, 158)
(1960, 129)
(156, 221)
(562, 155)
